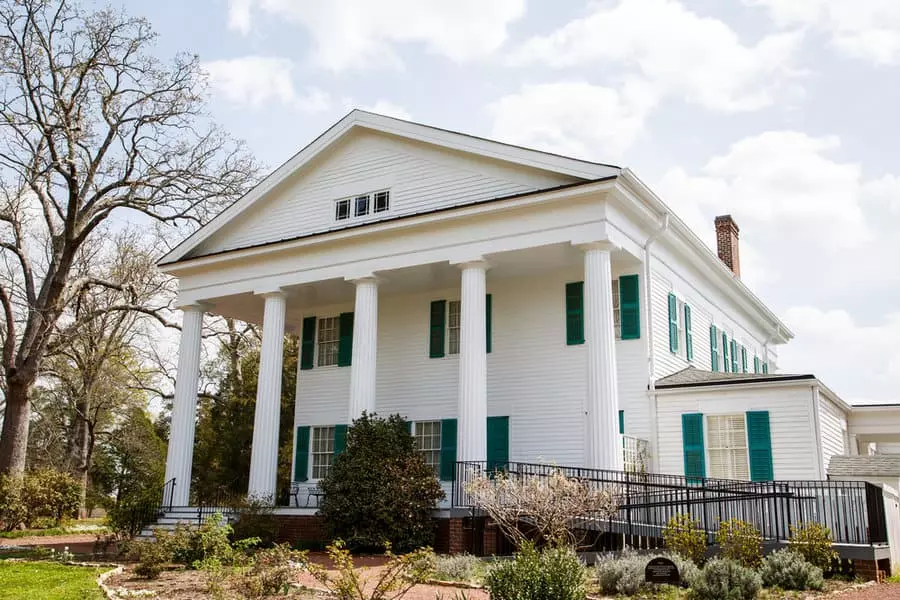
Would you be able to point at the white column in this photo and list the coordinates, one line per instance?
(365, 347)
(180, 453)
(471, 442)
(603, 445)
(264, 452)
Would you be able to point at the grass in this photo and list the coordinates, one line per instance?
(82, 526)
(48, 581)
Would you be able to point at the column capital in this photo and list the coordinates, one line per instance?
(275, 292)
(194, 307)
(364, 279)
(473, 263)
(604, 245)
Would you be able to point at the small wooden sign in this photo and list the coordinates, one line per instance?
(662, 570)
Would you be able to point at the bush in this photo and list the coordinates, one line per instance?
(151, 557)
(790, 571)
(684, 536)
(271, 572)
(812, 541)
(553, 574)
(187, 545)
(256, 520)
(12, 508)
(724, 579)
(624, 574)
(50, 493)
(741, 542)
(458, 567)
(380, 489)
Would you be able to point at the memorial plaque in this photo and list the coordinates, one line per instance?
(662, 570)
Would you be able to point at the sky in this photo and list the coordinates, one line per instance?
(783, 113)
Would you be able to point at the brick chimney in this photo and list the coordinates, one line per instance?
(727, 234)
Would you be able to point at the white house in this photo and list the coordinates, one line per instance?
(514, 305)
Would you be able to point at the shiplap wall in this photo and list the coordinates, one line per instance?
(420, 178)
(833, 423)
(533, 376)
(795, 449)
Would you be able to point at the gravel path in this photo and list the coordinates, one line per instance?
(887, 591)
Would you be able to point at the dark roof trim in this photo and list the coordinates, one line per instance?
(397, 218)
(672, 386)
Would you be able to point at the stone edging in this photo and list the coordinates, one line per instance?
(101, 581)
(456, 584)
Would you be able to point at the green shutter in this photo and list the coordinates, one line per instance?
(497, 443)
(713, 349)
(308, 343)
(340, 439)
(436, 331)
(301, 454)
(766, 368)
(673, 323)
(487, 321)
(726, 366)
(621, 421)
(575, 313)
(448, 449)
(692, 441)
(734, 356)
(408, 426)
(629, 307)
(744, 358)
(759, 441)
(688, 336)
(345, 344)
(756, 364)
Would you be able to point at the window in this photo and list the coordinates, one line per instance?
(382, 201)
(428, 442)
(362, 206)
(342, 210)
(680, 331)
(453, 327)
(617, 310)
(329, 341)
(322, 450)
(727, 444)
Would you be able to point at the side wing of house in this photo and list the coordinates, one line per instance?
(833, 429)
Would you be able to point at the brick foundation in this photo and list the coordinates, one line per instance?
(456, 536)
(300, 528)
(872, 570)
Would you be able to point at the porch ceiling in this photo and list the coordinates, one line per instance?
(531, 262)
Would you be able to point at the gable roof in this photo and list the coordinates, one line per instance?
(884, 465)
(694, 377)
(356, 118)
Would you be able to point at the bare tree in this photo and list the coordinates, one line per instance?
(92, 125)
(552, 506)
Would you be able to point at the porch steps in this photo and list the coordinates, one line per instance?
(188, 515)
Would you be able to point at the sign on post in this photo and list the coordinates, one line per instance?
(662, 570)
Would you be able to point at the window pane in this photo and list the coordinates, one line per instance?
(453, 327)
(382, 201)
(362, 205)
(727, 440)
(322, 449)
(342, 210)
(428, 443)
(617, 313)
(329, 341)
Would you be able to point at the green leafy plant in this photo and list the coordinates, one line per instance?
(187, 545)
(624, 574)
(256, 520)
(13, 511)
(788, 570)
(458, 567)
(813, 542)
(49, 494)
(380, 489)
(393, 581)
(741, 542)
(270, 573)
(685, 537)
(725, 579)
(556, 573)
(151, 557)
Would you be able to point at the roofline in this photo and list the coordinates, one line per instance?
(528, 157)
(749, 380)
(873, 407)
(723, 273)
(287, 242)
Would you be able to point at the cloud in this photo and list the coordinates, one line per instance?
(259, 80)
(239, 17)
(699, 59)
(350, 34)
(573, 117)
(385, 107)
(863, 29)
(833, 345)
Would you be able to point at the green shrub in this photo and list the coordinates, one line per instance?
(812, 541)
(271, 572)
(256, 520)
(187, 545)
(684, 536)
(380, 489)
(552, 574)
(624, 574)
(51, 493)
(724, 579)
(151, 557)
(790, 571)
(13, 511)
(741, 542)
(458, 567)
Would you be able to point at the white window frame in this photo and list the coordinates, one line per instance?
(617, 309)
(451, 328)
(315, 451)
(709, 449)
(370, 197)
(332, 355)
(432, 454)
(384, 194)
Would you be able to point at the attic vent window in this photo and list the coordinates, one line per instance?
(382, 201)
(362, 205)
(342, 210)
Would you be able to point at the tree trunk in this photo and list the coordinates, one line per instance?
(14, 436)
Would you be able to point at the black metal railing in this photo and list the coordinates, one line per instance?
(147, 511)
(853, 510)
(222, 499)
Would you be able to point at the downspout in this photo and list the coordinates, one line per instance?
(817, 422)
(651, 367)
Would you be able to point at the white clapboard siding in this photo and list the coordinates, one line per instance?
(791, 419)
(420, 178)
(533, 376)
(833, 423)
